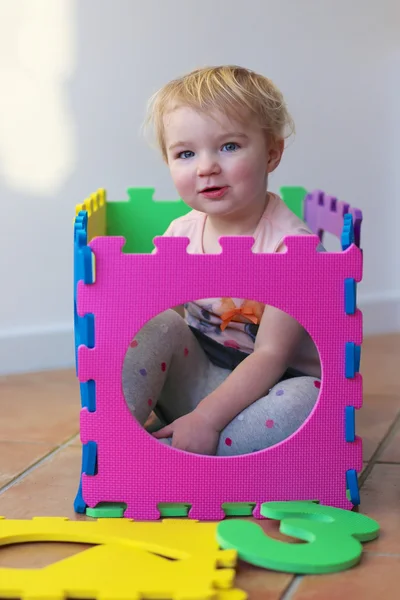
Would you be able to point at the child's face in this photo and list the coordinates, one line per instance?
(224, 156)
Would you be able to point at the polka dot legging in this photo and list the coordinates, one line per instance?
(166, 370)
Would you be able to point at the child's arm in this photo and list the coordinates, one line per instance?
(278, 336)
(277, 339)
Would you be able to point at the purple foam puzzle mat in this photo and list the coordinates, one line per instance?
(323, 212)
(130, 289)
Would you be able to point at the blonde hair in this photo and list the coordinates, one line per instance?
(234, 90)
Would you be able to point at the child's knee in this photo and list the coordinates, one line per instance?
(300, 394)
(161, 326)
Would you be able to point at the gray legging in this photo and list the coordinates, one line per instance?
(167, 370)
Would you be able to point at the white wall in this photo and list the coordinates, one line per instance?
(75, 77)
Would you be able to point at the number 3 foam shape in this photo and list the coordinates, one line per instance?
(334, 537)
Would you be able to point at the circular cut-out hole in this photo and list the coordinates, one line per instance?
(192, 353)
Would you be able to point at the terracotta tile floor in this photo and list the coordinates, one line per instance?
(40, 466)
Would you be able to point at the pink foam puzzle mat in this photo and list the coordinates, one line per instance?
(123, 463)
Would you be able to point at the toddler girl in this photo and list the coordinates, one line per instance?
(226, 376)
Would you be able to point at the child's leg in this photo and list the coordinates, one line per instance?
(270, 419)
(166, 370)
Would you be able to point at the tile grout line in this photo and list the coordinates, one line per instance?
(381, 446)
(37, 464)
(32, 442)
(292, 587)
(388, 554)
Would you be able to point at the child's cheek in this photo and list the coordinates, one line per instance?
(182, 181)
(243, 170)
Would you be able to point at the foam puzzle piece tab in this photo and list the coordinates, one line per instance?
(333, 537)
(87, 332)
(352, 486)
(107, 510)
(347, 238)
(170, 509)
(238, 509)
(89, 467)
(184, 554)
(350, 296)
(350, 424)
(90, 458)
(353, 358)
(84, 265)
(88, 395)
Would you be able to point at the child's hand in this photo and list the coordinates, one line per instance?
(192, 433)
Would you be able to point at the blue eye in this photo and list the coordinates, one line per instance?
(230, 147)
(186, 154)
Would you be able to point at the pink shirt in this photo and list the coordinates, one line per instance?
(234, 322)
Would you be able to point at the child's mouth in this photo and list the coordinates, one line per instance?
(214, 192)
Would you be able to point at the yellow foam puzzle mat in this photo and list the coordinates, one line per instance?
(95, 206)
(168, 560)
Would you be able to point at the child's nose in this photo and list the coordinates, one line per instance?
(208, 165)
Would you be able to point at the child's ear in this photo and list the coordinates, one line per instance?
(275, 151)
